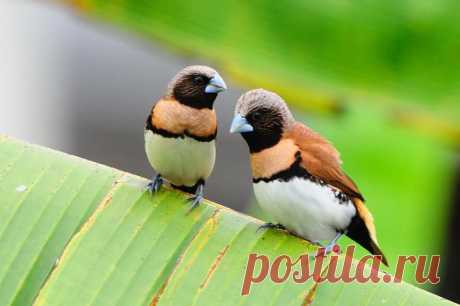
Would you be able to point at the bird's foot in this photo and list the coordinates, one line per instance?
(155, 184)
(332, 246)
(271, 225)
(196, 199)
(320, 251)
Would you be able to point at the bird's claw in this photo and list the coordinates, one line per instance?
(328, 249)
(155, 184)
(194, 202)
(196, 199)
(332, 246)
(270, 225)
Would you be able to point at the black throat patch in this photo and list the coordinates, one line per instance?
(198, 101)
(191, 91)
(258, 142)
(268, 129)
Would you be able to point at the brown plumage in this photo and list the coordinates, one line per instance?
(179, 119)
(321, 159)
(273, 160)
(288, 155)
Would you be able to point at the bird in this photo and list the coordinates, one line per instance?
(181, 129)
(297, 176)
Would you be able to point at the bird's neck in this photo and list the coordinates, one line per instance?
(260, 141)
(205, 100)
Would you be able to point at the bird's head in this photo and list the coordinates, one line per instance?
(261, 117)
(196, 86)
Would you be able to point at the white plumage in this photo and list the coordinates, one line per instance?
(308, 209)
(182, 161)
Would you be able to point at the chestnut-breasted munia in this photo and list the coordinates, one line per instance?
(181, 129)
(297, 175)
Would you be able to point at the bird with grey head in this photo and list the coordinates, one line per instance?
(297, 176)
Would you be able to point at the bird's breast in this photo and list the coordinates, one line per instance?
(181, 160)
(309, 209)
(178, 119)
(270, 161)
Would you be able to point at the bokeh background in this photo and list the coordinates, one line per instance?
(380, 79)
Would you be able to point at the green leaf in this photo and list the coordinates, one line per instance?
(37, 222)
(77, 233)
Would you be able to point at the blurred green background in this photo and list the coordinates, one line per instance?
(380, 79)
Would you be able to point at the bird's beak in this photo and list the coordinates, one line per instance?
(216, 84)
(240, 125)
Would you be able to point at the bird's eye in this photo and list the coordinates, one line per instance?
(198, 79)
(256, 116)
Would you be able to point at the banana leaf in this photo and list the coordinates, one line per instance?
(74, 232)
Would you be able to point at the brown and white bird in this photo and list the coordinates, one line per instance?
(297, 176)
(181, 129)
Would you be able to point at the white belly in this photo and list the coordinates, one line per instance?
(182, 161)
(307, 209)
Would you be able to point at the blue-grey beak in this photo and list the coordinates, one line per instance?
(240, 125)
(216, 84)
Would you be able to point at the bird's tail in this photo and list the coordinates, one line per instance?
(362, 230)
(375, 250)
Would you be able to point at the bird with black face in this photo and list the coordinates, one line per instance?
(181, 129)
(297, 176)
